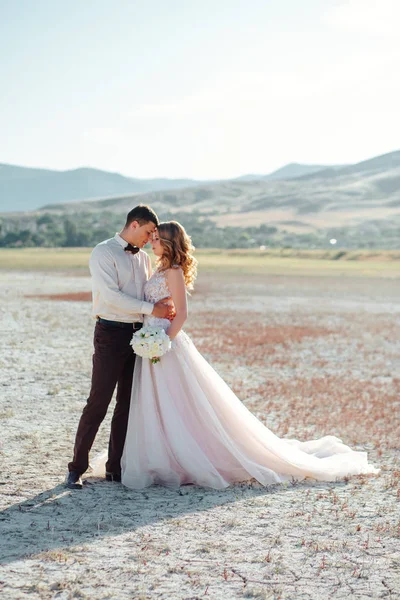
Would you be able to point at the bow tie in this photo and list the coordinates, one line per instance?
(131, 249)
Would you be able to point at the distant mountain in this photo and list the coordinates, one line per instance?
(294, 196)
(293, 170)
(248, 177)
(10, 172)
(289, 171)
(333, 197)
(384, 162)
(26, 189)
(378, 164)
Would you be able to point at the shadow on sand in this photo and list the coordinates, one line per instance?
(59, 518)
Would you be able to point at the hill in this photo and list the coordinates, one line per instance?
(289, 171)
(294, 170)
(366, 191)
(25, 189)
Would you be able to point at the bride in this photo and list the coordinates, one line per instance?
(185, 423)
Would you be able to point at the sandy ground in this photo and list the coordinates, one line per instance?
(323, 358)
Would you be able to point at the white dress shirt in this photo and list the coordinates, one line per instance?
(118, 279)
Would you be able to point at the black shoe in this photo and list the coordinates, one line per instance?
(74, 481)
(113, 476)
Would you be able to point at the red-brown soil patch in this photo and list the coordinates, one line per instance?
(250, 340)
(362, 411)
(72, 297)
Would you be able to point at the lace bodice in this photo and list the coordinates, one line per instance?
(156, 289)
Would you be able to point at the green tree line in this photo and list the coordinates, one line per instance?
(89, 228)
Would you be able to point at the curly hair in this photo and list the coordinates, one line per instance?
(177, 248)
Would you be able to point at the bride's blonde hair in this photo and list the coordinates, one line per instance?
(177, 248)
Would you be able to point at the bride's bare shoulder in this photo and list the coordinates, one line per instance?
(175, 269)
(174, 274)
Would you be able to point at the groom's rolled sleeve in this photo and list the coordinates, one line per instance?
(147, 308)
(105, 283)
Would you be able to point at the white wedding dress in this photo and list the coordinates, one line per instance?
(187, 426)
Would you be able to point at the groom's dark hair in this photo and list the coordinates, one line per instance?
(142, 214)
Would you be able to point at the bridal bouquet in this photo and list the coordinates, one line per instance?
(150, 342)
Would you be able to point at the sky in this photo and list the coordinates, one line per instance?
(204, 89)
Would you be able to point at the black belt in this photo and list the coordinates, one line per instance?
(119, 324)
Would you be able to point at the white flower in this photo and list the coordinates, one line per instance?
(150, 342)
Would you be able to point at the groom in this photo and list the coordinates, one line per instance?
(119, 270)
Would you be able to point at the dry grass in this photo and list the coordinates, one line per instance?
(45, 259)
(330, 254)
(361, 263)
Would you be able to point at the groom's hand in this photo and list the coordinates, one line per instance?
(164, 309)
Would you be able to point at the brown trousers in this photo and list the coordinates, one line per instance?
(113, 364)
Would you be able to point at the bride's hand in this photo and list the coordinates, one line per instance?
(164, 309)
(161, 310)
(172, 312)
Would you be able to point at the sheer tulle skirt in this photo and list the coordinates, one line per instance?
(187, 426)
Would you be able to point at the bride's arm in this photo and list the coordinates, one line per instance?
(177, 287)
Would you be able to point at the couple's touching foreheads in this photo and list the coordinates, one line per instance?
(175, 421)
